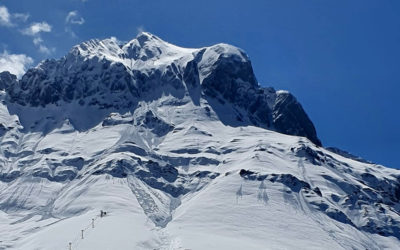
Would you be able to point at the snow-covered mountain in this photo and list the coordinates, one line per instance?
(184, 150)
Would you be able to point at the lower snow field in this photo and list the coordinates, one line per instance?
(182, 179)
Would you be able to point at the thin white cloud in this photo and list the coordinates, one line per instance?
(5, 17)
(11, 19)
(16, 64)
(37, 40)
(140, 29)
(74, 17)
(45, 50)
(39, 43)
(36, 28)
(23, 17)
(70, 31)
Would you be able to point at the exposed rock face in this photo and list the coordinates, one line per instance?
(7, 79)
(290, 118)
(109, 74)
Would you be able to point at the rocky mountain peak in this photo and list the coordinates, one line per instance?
(177, 145)
(114, 75)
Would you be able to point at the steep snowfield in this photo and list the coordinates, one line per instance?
(224, 210)
(178, 169)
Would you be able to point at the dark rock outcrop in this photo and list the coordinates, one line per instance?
(290, 118)
(7, 79)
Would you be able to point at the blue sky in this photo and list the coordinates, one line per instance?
(340, 58)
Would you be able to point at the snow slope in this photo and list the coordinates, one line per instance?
(170, 161)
